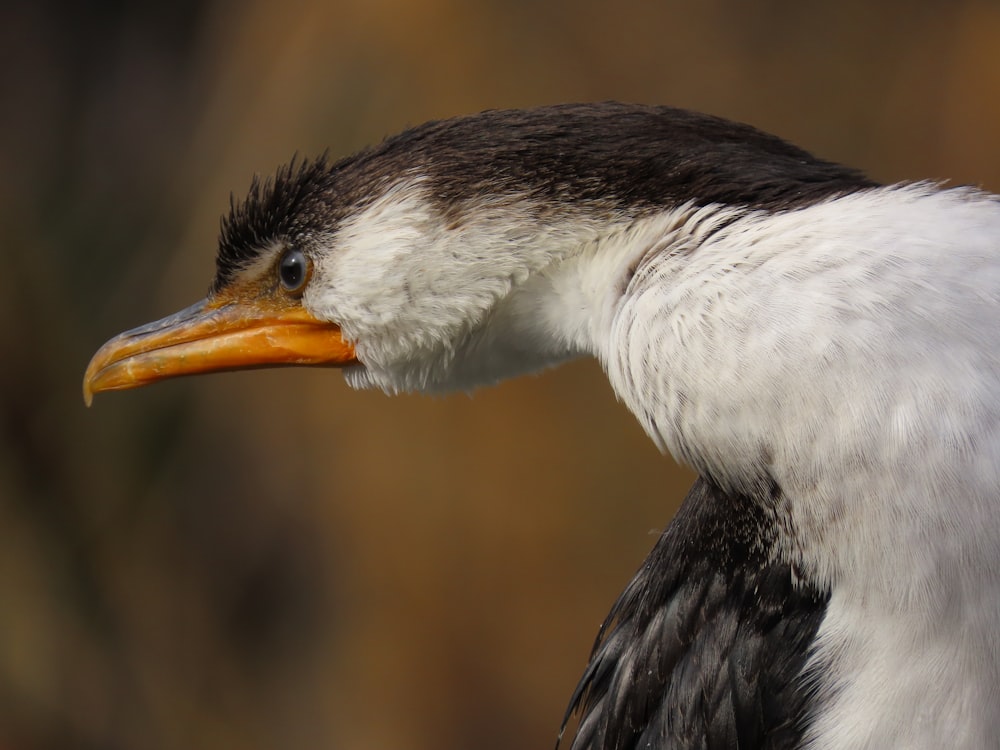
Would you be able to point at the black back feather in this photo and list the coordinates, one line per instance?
(706, 648)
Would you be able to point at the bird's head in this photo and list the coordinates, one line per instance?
(459, 252)
(375, 273)
(255, 314)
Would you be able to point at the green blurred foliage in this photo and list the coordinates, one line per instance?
(268, 559)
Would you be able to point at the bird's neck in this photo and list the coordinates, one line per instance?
(569, 306)
(844, 357)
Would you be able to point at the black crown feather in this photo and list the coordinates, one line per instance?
(276, 208)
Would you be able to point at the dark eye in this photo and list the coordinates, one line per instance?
(293, 269)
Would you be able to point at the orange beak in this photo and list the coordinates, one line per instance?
(211, 336)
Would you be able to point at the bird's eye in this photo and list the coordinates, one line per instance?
(293, 270)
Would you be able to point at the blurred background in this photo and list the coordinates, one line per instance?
(267, 559)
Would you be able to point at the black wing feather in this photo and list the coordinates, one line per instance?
(707, 646)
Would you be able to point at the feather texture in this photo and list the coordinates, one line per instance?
(707, 646)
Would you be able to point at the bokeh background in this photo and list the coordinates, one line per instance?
(267, 559)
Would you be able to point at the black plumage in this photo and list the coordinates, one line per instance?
(706, 648)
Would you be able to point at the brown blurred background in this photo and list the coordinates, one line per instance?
(269, 560)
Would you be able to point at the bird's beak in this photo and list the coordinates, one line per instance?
(216, 335)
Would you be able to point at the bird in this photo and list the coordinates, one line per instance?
(823, 349)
